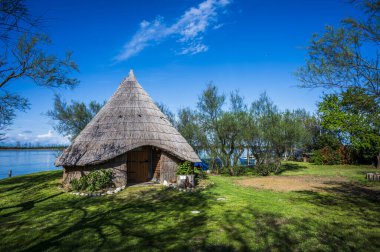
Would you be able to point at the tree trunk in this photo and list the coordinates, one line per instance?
(378, 161)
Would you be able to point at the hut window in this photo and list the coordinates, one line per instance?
(139, 115)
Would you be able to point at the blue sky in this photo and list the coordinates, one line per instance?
(175, 48)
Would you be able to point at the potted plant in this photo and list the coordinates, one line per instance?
(185, 174)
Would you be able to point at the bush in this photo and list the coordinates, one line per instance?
(76, 185)
(265, 169)
(329, 156)
(94, 181)
(185, 168)
(317, 157)
(199, 173)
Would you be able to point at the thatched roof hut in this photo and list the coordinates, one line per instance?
(129, 122)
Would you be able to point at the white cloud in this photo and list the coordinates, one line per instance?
(49, 138)
(47, 135)
(188, 30)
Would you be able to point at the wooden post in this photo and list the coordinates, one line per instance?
(10, 174)
(248, 156)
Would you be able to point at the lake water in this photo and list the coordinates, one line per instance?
(27, 161)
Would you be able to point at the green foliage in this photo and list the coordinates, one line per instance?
(266, 169)
(200, 174)
(71, 119)
(263, 219)
(94, 181)
(273, 134)
(354, 113)
(190, 128)
(234, 170)
(186, 168)
(346, 59)
(329, 156)
(327, 139)
(24, 55)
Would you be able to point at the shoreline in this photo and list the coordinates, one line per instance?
(37, 148)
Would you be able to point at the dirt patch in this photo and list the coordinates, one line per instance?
(292, 183)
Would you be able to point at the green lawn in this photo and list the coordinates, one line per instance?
(36, 215)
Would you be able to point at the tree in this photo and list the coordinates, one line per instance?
(258, 125)
(72, 119)
(209, 106)
(189, 127)
(224, 130)
(23, 55)
(347, 59)
(356, 113)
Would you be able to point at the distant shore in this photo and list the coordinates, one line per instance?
(33, 148)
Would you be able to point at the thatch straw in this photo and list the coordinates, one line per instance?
(130, 119)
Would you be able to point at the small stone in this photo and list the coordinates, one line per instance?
(166, 183)
(123, 187)
(221, 199)
(195, 212)
(82, 194)
(109, 192)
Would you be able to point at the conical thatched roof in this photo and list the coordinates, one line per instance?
(130, 119)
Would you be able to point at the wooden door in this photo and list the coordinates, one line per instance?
(138, 162)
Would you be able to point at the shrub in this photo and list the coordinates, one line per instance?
(317, 158)
(76, 185)
(94, 181)
(185, 168)
(199, 173)
(329, 156)
(265, 169)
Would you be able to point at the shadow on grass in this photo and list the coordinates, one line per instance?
(353, 198)
(274, 232)
(34, 181)
(144, 219)
(153, 219)
(291, 167)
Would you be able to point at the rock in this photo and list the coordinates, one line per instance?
(82, 194)
(117, 190)
(109, 192)
(221, 199)
(195, 212)
(165, 183)
(123, 187)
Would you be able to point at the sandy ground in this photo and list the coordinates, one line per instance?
(292, 183)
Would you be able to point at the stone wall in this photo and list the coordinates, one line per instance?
(164, 168)
(169, 166)
(118, 166)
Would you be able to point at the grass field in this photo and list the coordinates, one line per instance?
(36, 215)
